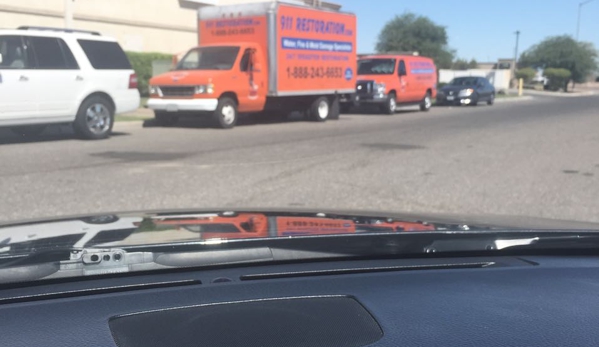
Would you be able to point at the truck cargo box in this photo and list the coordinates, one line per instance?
(310, 51)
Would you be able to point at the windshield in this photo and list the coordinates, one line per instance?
(209, 58)
(464, 81)
(376, 66)
(132, 123)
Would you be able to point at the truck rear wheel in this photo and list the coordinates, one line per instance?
(226, 113)
(335, 109)
(320, 109)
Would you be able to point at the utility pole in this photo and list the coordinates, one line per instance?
(68, 13)
(579, 13)
(516, 50)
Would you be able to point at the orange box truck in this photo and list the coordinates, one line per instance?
(261, 57)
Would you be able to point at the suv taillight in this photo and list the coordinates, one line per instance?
(133, 81)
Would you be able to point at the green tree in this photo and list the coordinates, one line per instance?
(473, 64)
(563, 52)
(463, 64)
(409, 33)
(527, 74)
(558, 78)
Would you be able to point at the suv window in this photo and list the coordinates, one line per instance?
(52, 53)
(14, 54)
(105, 55)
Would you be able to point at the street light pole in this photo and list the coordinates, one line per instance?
(516, 50)
(579, 13)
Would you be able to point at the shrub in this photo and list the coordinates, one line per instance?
(558, 78)
(142, 64)
(527, 74)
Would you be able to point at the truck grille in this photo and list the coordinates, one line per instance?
(177, 91)
(364, 87)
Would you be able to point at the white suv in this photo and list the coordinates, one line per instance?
(53, 76)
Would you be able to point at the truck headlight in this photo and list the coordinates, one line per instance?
(205, 89)
(380, 88)
(466, 92)
(154, 90)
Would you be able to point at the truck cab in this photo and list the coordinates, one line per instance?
(221, 80)
(389, 80)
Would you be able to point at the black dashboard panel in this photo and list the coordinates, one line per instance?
(537, 301)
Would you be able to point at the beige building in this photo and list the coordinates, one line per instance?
(167, 26)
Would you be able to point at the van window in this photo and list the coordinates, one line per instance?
(376, 66)
(402, 68)
(50, 53)
(105, 55)
(14, 54)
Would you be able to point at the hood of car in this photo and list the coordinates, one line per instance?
(157, 227)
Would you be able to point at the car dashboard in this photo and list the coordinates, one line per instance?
(468, 301)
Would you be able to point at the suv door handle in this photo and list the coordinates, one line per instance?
(78, 78)
(23, 78)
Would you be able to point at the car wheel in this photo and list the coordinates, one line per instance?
(426, 103)
(335, 109)
(95, 118)
(28, 130)
(491, 100)
(320, 109)
(226, 114)
(165, 119)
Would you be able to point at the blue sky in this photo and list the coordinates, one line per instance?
(483, 30)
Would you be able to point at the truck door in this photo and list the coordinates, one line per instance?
(252, 88)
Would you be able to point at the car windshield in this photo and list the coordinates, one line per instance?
(376, 66)
(268, 125)
(464, 81)
(209, 58)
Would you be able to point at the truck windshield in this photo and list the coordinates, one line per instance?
(209, 58)
(376, 66)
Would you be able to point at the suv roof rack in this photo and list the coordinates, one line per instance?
(389, 53)
(65, 30)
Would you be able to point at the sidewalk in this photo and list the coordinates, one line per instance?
(573, 94)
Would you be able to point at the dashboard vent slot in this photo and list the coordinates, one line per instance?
(349, 271)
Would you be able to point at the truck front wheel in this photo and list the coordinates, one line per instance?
(226, 113)
(320, 109)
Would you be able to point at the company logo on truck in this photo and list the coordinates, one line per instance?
(349, 74)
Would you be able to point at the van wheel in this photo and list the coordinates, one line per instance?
(165, 119)
(335, 109)
(390, 104)
(95, 119)
(320, 109)
(426, 103)
(226, 113)
(28, 130)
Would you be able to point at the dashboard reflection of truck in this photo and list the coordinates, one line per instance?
(259, 225)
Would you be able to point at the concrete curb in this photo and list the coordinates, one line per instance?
(559, 94)
(513, 99)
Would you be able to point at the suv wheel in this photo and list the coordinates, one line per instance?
(95, 118)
